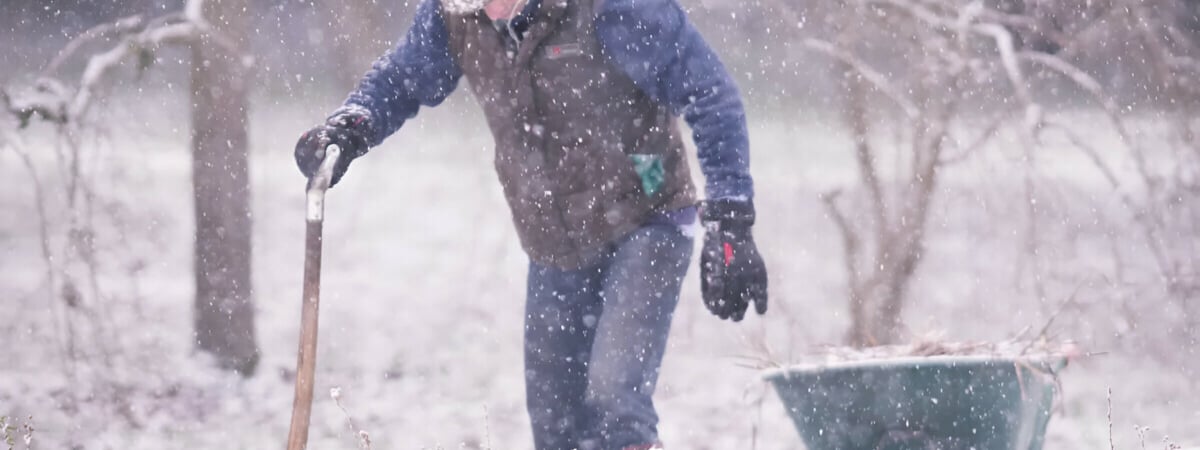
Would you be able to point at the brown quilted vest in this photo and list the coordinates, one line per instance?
(583, 155)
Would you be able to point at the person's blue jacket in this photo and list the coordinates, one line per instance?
(653, 43)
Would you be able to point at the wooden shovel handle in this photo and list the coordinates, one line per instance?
(307, 356)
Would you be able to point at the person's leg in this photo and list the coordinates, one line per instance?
(561, 311)
(640, 292)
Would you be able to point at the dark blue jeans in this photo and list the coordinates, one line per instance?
(594, 340)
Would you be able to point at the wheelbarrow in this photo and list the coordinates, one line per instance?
(929, 402)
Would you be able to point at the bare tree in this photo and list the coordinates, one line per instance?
(939, 54)
(1162, 199)
(883, 249)
(1165, 203)
(216, 30)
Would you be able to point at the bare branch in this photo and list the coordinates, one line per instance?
(1033, 121)
(1073, 44)
(854, 284)
(54, 102)
(850, 239)
(1092, 87)
(871, 75)
(1148, 225)
(121, 27)
(1012, 20)
(923, 13)
(965, 151)
(43, 103)
(1008, 58)
(1089, 151)
(100, 65)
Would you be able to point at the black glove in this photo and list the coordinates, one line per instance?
(732, 274)
(348, 130)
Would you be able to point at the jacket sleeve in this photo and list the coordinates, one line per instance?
(653, 42)
(419, 72)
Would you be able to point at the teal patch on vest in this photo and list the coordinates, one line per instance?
(650, 169)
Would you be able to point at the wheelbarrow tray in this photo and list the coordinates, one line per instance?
(981, 402)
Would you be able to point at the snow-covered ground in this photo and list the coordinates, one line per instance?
(424, 281)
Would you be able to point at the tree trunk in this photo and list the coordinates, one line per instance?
(876, 324)
(854, 112)
(224, 320)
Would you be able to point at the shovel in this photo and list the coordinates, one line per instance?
(307, 358)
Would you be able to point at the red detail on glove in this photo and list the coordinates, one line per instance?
(728, 254)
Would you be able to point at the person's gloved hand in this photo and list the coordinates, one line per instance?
(348, 130)
(732, 274)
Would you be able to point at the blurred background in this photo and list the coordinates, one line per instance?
(926, 170)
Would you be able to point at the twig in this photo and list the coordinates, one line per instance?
(1110, 423)
(487, 428)
(1041, 335)
(361, 437)
(762, 395)
(27, 432)
(1017, 366)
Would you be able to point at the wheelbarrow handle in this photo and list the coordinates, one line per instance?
(306, 358)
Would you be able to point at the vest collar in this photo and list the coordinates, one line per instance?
(547, 18)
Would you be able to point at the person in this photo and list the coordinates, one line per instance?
(582, 99)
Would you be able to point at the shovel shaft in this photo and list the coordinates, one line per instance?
(307, 356)
(307, 359)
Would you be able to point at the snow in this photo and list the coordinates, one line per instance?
(423, 284)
